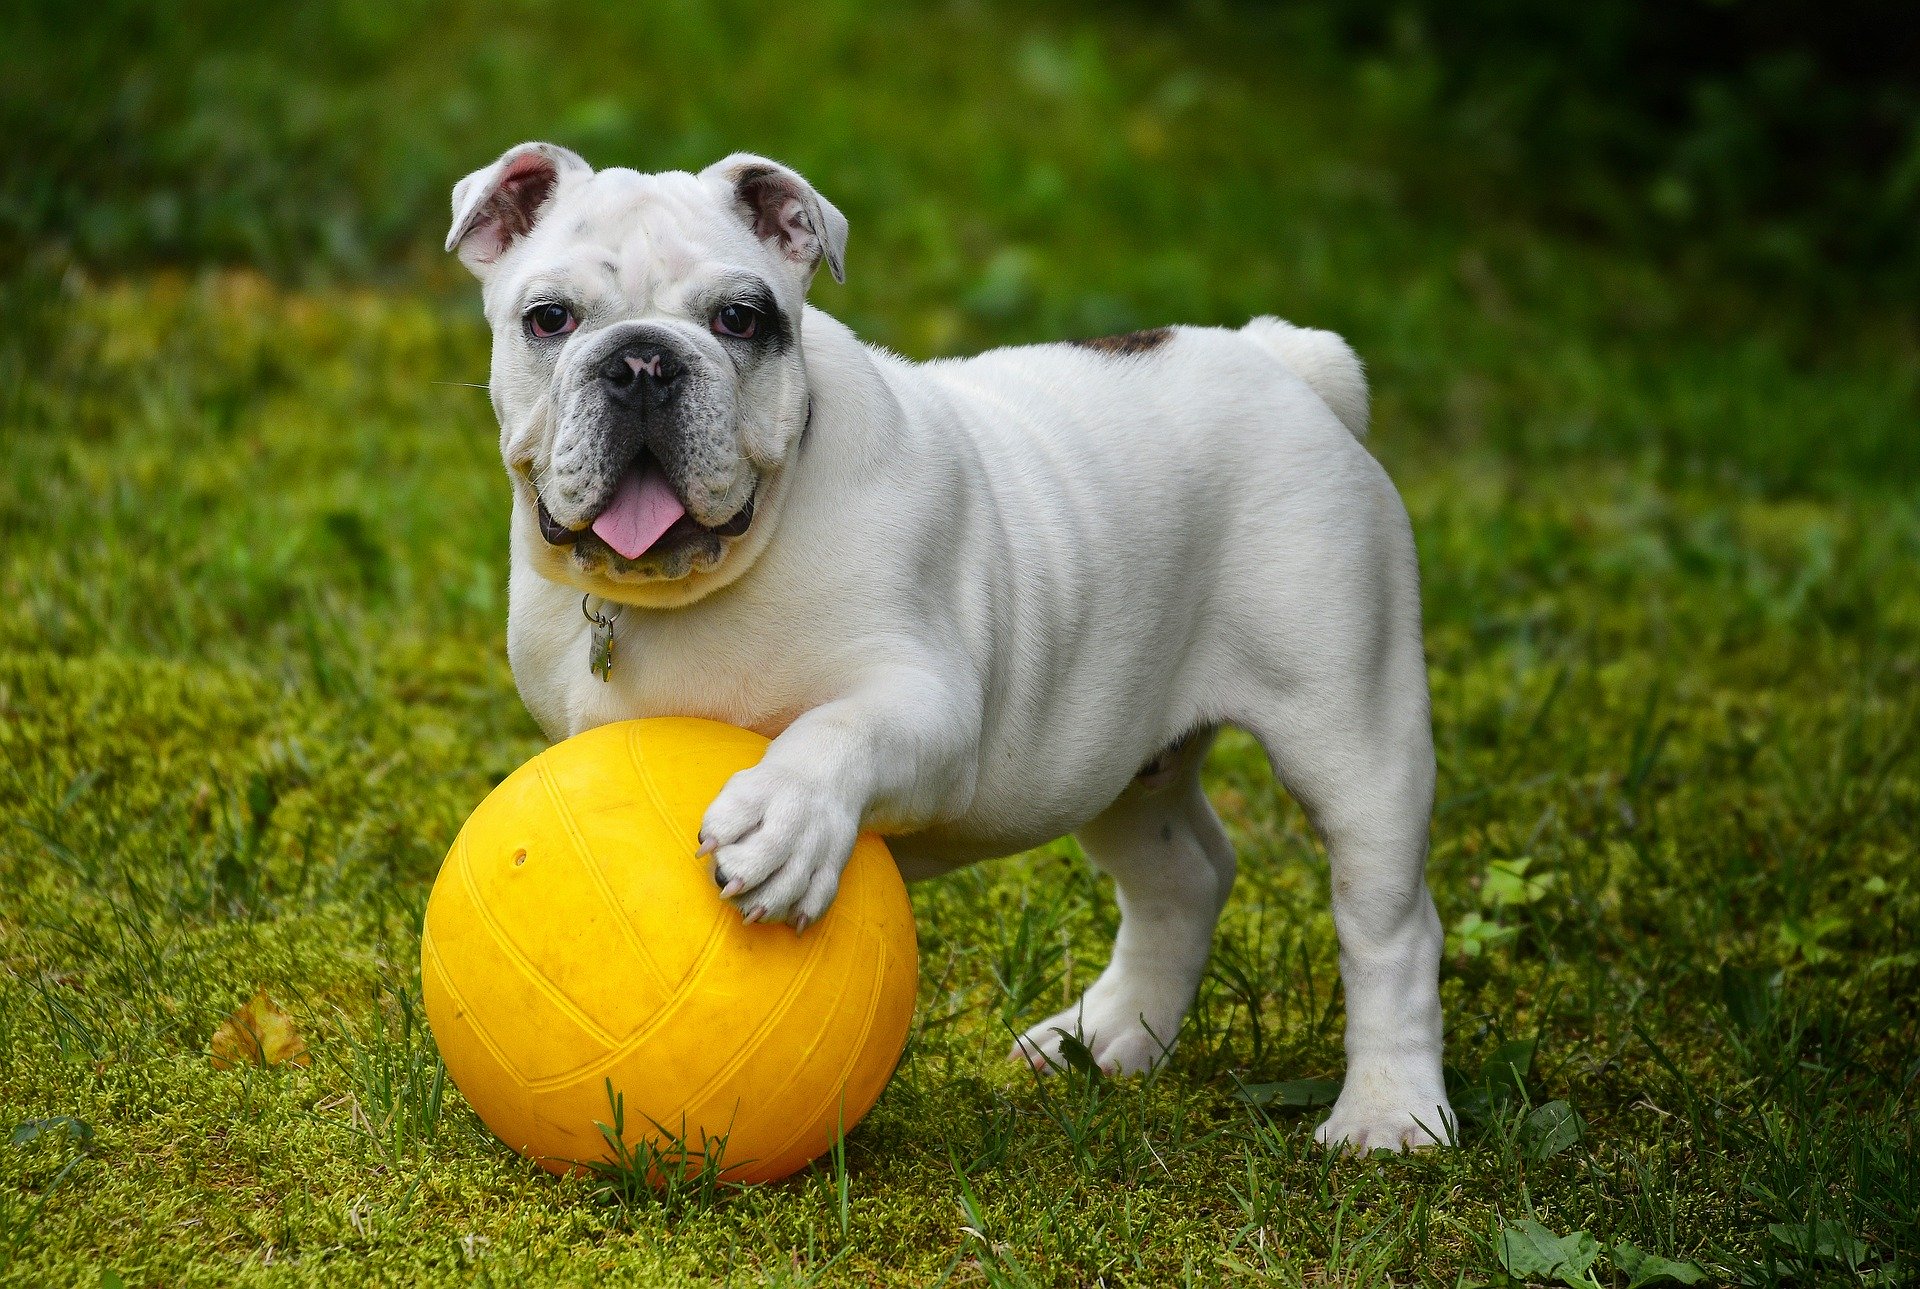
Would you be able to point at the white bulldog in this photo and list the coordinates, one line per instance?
(976, 603)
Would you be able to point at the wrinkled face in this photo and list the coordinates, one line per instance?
(647, 370)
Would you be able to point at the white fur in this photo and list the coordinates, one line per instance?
(1324, 361)
(982, 594)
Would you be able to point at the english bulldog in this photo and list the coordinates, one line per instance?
(976, 603)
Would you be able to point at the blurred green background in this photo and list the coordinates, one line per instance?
(1737, 182)
(315, 139)
(1636, 288)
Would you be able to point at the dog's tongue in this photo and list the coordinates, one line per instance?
(642, 509)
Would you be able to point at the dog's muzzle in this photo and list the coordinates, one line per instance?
(642, 381)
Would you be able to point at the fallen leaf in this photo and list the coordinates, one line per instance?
(260, 1033)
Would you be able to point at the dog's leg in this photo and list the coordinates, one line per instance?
(1357, 752)
(1172, 867)
(893, 755)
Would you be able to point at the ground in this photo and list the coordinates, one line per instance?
(252, 678)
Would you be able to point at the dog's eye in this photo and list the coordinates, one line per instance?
(544, 321)
(737, 320)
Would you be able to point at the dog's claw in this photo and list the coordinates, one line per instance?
(733, 888)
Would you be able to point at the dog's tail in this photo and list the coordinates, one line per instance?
(1323, 360)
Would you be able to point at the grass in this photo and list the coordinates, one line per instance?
(252, 679)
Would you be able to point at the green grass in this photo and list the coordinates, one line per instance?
(252, 678)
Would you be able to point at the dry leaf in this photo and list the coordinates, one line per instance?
(261, 1033)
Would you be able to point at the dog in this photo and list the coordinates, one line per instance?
(977, 604)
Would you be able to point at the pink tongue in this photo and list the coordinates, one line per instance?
(642, 509)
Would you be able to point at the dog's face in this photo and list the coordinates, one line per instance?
(647, 369)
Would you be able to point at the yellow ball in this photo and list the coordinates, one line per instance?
(574, 939)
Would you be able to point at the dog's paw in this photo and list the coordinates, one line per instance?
(779, 842)
(1114, 1026)
(1382, 1113)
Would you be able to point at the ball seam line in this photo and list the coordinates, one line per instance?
(432, 950)
(645, 777)
(746, 1045)
(854, 1053)
(620, 1050)
(716, 928)
(539, 981)
(774, 1094)
(591, 863)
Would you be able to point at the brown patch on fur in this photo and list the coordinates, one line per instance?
(1133, 342)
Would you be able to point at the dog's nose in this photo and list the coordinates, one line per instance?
(632, 368)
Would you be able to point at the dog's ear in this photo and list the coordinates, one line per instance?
(783, 209)
(492, 207)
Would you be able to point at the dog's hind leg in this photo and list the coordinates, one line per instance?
(1354, 745)
(1172, 868)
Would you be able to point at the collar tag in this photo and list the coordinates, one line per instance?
(601, 639)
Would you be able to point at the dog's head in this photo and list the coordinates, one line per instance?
(647, 369)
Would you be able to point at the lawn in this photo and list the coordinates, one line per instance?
(252, 673)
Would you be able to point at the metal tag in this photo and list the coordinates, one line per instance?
(600, 647)
(600, 657)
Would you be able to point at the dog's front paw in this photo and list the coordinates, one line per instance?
(1378, 1111)
(778, 842)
